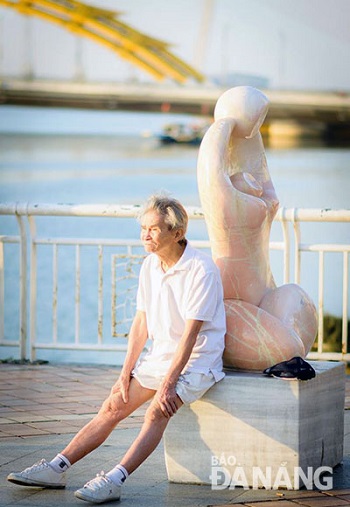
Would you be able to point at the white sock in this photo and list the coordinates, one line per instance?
(118, 474)
(60, 463)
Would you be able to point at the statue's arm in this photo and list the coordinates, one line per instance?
(229, 194)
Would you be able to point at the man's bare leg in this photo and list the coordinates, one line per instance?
(149, 437)
(107, 487)
(113, 410)
(46, 474)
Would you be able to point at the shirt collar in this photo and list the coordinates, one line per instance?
(183, 264)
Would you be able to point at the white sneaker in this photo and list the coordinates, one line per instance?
(40, 475)
(99, 490)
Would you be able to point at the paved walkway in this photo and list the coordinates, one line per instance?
(42, 406)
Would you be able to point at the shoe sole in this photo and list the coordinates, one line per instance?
(81, 496)
(22, 482)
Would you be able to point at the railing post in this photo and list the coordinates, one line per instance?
(320, 301)
(296, 229)
(77, 295)
(345, 303)
(33, 287)
(2, 292)
(100, 295)
(54, 291)
(22, 286)
(286, 249)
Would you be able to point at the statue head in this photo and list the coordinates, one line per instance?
(245, 104)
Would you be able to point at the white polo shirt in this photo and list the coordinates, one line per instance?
(191, 289)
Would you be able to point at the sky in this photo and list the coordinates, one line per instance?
(296, 45)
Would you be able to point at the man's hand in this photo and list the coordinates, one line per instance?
(168, 400)
(122, 385)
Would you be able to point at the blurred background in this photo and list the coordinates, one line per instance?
(115, 115)
(299, 45)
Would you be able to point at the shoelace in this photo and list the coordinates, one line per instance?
(37, 466)
(98, 482)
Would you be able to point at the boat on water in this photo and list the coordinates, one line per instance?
(182, 133)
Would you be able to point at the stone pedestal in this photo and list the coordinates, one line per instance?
(260, 431)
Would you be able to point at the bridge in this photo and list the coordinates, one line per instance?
(154, 57)
(327, 108)
(104, 27)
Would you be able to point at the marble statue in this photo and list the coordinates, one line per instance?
(266, 324)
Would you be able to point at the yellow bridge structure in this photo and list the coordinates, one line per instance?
(103, 26)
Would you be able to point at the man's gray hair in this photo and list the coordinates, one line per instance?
(173, 212)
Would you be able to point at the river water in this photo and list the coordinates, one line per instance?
(51, 155)
(55, 156)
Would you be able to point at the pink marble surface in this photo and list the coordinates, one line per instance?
(266, 324)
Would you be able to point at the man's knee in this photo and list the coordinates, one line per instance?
(114, 407)
(154, 413)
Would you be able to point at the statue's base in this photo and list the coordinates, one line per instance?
(256, 431)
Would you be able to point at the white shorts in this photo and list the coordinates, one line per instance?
(190, 385)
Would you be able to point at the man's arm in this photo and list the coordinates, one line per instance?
(137, 338)
(166, 394)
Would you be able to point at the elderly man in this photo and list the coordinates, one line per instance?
(180, 310)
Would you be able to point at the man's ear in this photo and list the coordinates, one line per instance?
(179, 234)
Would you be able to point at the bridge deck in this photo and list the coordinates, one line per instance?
(330, 108)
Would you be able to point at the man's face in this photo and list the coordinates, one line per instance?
(155, 234)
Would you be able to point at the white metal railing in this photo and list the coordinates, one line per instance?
(125, 258)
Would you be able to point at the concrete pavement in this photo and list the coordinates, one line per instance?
(42, 406)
